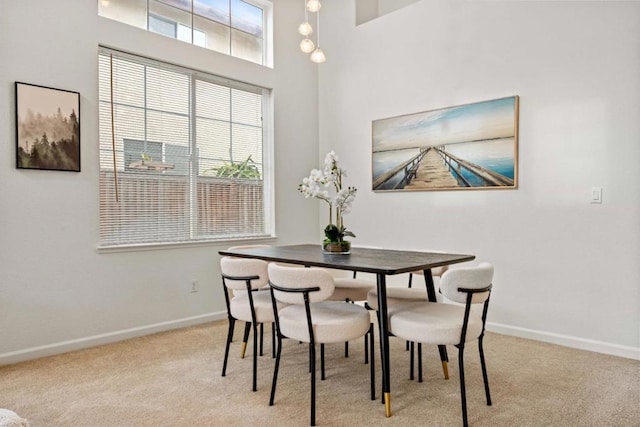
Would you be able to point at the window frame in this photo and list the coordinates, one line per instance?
(268, 197)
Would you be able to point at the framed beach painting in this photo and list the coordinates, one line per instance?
(47, 128)
(472, 146)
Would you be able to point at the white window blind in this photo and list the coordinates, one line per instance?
(181, 154)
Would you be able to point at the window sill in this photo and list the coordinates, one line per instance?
(181, 245)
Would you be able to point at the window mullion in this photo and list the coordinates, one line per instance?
(145, 105)
(231, 124)
(230, 31)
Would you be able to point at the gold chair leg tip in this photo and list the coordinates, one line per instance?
(244, 349)
(445, 369)
(387, 404)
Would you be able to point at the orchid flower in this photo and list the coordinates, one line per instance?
(326, 185)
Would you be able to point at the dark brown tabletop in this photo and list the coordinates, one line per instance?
(378, 261)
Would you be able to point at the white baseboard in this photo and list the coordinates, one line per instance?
(567, 341)
(80, 343)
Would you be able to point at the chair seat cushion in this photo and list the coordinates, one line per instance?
(434, 323)
(240, 309)
(352, 289)
(332, 321)
(397, 295)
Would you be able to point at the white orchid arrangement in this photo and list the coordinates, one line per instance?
(326, 184)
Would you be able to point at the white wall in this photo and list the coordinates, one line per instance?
(56, 292)
(567, 271)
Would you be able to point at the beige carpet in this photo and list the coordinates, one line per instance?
(173, 379)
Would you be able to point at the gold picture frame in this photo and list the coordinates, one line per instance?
(471, 146)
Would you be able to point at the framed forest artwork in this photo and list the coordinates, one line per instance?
(47, 128)
(471, 146)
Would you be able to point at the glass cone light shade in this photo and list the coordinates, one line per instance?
(318, 56)
(307, 46)
(305, 28)
(313, 5)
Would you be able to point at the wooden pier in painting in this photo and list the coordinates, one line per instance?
(432, 172)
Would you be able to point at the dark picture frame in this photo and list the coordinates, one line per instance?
(47, 128)
(466, 147)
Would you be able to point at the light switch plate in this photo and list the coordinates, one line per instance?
(596, 194)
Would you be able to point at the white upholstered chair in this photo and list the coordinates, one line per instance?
(247, 326)
(248, 302)
(352, 288)
(401, 295)
(348, 286)
(451, 324)
(308, 317)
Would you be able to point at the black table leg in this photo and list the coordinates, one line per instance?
(431, 294)
(384, 341)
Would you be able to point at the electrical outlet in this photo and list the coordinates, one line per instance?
(194, 286)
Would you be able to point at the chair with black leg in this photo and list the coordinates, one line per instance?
(451, 324)
(401, 295)
(353, 288)
(247, 326)
(242, 280)
(411, 292)
(308, 317)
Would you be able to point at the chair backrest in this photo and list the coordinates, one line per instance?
(476, 277)
(300, 278)
(244, 267)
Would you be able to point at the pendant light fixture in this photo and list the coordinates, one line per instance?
(306, 45)
(313, 5)
(317, 55)
(305, 29)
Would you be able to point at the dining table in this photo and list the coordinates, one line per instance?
(381, 262)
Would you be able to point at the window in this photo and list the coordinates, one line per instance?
(175, 30)
(181, 154)
(233, 27)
